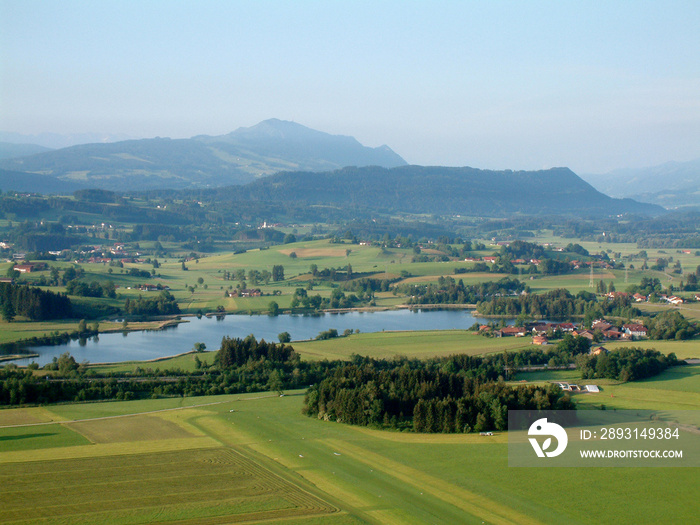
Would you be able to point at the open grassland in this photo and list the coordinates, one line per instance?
(185, 362)
(677, 388)
(255, 458)
(682, 349)
(24, 330)
(145, 462)
(417, 344)
(18, 330)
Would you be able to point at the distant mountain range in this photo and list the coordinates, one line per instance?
(673, 184)
(438, 190)
(275, 161)
(237, 158)
(36, 183)
(57, 140)
(9, 150)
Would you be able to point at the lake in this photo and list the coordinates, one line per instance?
(145, 345)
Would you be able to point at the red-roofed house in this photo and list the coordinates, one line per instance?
(635, 330)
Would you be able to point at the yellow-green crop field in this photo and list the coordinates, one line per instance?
(255, 458)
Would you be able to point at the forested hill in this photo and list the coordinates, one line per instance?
(440, 190)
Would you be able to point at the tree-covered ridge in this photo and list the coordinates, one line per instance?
(455, 394)
(443, 190)
(34, 303)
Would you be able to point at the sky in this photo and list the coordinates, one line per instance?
(592, 85)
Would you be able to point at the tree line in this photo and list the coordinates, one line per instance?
(163, 304)
(449, 291)
(34, 303)
(558, 304)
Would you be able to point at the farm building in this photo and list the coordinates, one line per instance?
(635, 330)
(517, 331)
(599, 350)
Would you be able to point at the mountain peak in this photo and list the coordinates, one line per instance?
(278, 129)
(270, 146)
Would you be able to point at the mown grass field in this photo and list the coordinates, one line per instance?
(677, 388)
(256, 458)
(418, 344)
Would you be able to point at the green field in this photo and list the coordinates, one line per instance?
(256, 458)
(677, 388)
(208, 296)
(418, 344)
(415, 345)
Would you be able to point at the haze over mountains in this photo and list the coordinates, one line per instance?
(670, 185)
(237, 158)
(277, 160)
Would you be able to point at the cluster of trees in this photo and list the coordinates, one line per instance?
(254, 277)
(558, 304)
(455, 394)
(691, 284)
(34, 303)
(576, 248)
(448, 291)
(343, 273)
(625, 364)
(338, 299)
(144, 274)
(278, 273)
(368, 285)
(670, 325)
(163, 304)
(554, 267)
(236, 352)
(522, 250)
(647, 286)
(92, 289)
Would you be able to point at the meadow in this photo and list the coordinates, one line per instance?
(297, 258)
(256, 458)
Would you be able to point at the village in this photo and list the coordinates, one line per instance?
(542, 332)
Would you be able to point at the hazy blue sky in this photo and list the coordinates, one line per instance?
(522, 84)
